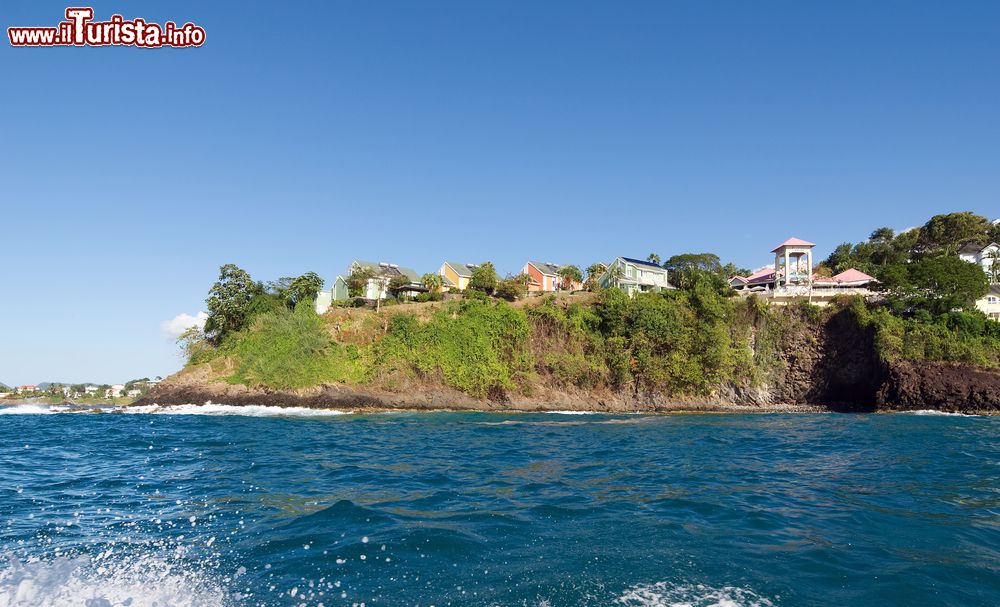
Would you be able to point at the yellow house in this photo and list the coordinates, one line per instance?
(456, 275)
(990, 303)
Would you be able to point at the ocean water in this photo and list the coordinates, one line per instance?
(231, 507)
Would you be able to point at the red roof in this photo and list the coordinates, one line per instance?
(852, 275)
(793, 242)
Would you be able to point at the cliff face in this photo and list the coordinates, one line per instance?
(826, 364)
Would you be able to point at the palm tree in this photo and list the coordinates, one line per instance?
(653, 258)
(994, 271)
(432, 281)
(569, 275)
(616, 273)
(594, 271)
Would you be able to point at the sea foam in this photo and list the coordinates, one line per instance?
(244, 410)
(106, 581)
(665, 594)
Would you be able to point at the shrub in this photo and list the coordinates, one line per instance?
(287, 349)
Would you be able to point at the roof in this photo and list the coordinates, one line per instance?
(793, 242)
(643, 263)
(462, 269)
(994, 290)
(551, 269)
(852, 275)
(761, 275)
(385, 269)
(971, 248)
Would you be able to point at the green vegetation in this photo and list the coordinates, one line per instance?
(682, 342)
(959, 337)
(919, 269)
(691, 341)
(235, 300)
(484, 278)
(570, 274)
(687, 269)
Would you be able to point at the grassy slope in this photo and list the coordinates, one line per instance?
(681, 343)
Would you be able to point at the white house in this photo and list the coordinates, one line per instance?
(990, 303)
(115, 391)
(378, 286)
(987, 257)
(634, 276)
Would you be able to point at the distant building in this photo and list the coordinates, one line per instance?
(791, 278)
(134, 392)
(987, 257)
(90, 389)
(990, 303)
(456, 275)
(544, 277)
(25, 389)
(115, 391)
(378, 286)
(634, 276)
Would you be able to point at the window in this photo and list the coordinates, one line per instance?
(992, 300)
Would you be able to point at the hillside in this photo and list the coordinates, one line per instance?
(677, 351)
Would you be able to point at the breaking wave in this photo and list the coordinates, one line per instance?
(107, 580)
(245, 410)
(206, 409)
(665, 594)
(935, 412)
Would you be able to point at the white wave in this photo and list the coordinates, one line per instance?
(574, 412)
(665, 594)
(935, 412)
(106, 581)
(28, 410)
(244, 410)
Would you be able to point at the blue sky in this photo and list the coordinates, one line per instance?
(413, 132)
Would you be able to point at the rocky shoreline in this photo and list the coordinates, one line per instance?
(806, 386)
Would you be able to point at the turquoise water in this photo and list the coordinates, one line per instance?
(485, 509)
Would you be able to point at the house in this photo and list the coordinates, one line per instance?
(134, 393)
(990, 303)
(987, 257)
(456, 275)
(90, 389)
(376, 288)
(634, 276)
(115, 391)
(25, 389)
(544, 278)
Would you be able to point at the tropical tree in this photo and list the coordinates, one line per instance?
(994, 265)
(616, 273)
(484, 278)
(357, 281)
(653, 258)
(432, 281)
(397, 284)
(685, 269)
(936, 284)
(570, 274)
(303, 288)
(513, 287)
(945, 234)
(594, 273)
(229, 303)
